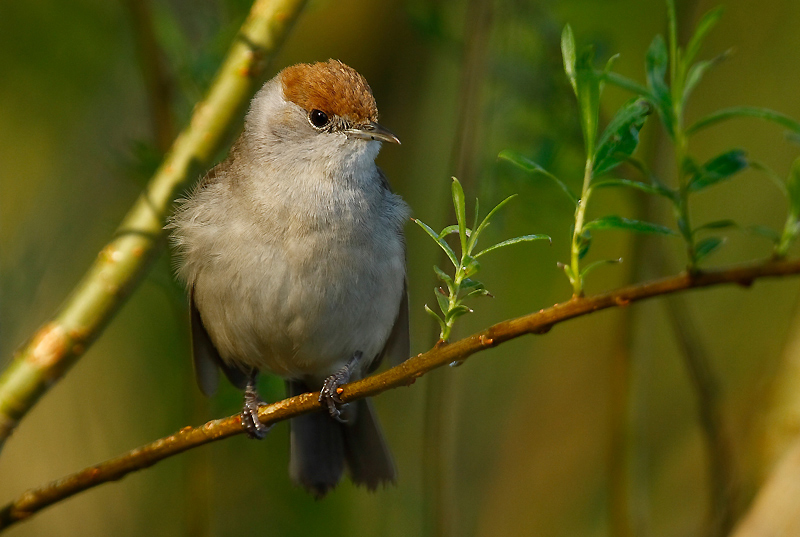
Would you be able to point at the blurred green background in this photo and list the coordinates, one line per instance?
(518, 440)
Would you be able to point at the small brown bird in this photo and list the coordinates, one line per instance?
(294, 256)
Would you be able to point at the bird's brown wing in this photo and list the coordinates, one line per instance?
(206, 358)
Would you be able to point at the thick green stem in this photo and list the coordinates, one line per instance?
(120, 265)
(580, 215)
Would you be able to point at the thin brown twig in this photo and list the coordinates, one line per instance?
(404, 374)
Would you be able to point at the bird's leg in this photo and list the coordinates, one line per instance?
(329, 394)
(252, 426)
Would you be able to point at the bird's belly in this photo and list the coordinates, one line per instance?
(303, 309)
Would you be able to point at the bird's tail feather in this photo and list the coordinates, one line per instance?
(321, 448)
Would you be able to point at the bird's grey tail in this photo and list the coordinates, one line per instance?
(321, 448)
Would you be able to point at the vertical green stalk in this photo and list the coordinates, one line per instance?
(577, 240)
(681, 142)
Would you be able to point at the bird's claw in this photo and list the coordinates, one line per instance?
(249, 416)
(329, 394)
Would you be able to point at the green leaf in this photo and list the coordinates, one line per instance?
(588, 84)
(655, 189)
(474, 239)
(584, 243)
(621, 137)
(717, 224)
(444, 301)
(441, 322)
(591, 266)
(707, 246)
(745, 111)
(456, 312)
(618, 222)
(530, 166)
(459, 204)
(449, 230)
(468, 285)
(776, 179)
(471, 266)
(442, 244)
(568, 54)
(656, 63)
(705, 25)
(765, 231)
(524, 238)
(718, 169)
(793, 187)
(698, 70)
(443, 276)
(627, 84)
(474, 225)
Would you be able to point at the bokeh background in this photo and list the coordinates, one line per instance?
(518, 441)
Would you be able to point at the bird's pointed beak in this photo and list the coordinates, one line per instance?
(373, 131)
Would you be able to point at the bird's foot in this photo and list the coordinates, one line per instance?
(250, 422)
(329, 394)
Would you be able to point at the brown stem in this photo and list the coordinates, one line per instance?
(404, 374)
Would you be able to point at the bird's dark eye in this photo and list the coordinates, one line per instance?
(318, 118)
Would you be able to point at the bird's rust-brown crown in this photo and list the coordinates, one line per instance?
(331, 87)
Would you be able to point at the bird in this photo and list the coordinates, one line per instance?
(293, 253)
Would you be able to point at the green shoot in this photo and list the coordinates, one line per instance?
(462, 284)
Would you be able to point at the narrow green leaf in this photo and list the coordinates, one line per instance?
(588, 84)
(442, 244)
(705, 25)
(591, 266)
(618, 222)
(655, 189)
(698, 70)
(720, 168)
(436, 316)
(468, 285)
(706, 247)
(479, 292)
(449, 230)
(656, 63)
(457, 312)
(745, 111)
(474, 226)
(584, 243)
(443, 276)
(530, 166)
(524, 238)
(471, 266)
(765, 231)
(621, 136)
(716, 224)
(627, 84)
(444, 302)
(776, 179)
(482, 226)
(459, 204)
(793, 187)
(568, 54)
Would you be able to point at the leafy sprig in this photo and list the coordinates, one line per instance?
(604, 154)
(462, 285)
(791, 229)
(672, 74)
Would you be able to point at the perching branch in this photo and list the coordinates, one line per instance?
(112, 277)
(403, 375)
